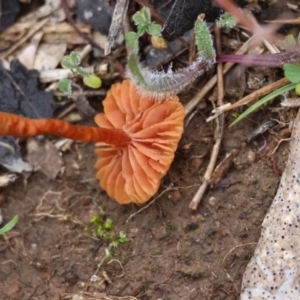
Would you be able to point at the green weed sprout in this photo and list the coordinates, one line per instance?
(226, 20)
(142, 19)
(10, 225)
(72, 62)
(103, 228)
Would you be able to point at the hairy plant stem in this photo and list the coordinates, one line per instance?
(161, 84)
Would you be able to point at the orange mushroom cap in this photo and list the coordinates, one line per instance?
(132, 173)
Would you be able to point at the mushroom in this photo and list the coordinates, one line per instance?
(136, 140)
(133, 173)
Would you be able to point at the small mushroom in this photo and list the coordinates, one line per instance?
(136, 140)
(132, 173)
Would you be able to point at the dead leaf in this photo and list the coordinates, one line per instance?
(44, 157)
(48, 56)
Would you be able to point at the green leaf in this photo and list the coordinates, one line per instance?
(65, 86)
(100, 232)
(82, 72)
(154, 29)
(142, 17)
(107, 253)
(147, 14)
(75, 58)
(292, 72)
(108, 224)
(92, 81)
(122, 237)
(67, 63)
(297, 89)
(95, 220)
(114, 244)
(264, 100)
(132, 41)
(203, 40)
(290, 42)
(226, 21)
(141, 29)
(10, 225)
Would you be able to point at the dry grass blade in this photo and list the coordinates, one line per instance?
(253, 96)
(293, 21)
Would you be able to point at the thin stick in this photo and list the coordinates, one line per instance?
(218, 133)
(157, 197)
(210, 168)
(231, 250)
(253, 96)
(27, 36)
(149, 204)
(293, 21)
(86, 93)
(219, 67)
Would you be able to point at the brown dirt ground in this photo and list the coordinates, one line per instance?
(171, 253)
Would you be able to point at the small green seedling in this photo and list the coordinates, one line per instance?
(292, 73)
(72, 62)
(142, 19)
(103, 228)
(10, 225)
(226, 20)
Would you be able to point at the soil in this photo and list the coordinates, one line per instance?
(170, 253)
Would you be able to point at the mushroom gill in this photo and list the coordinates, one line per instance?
(132, 173)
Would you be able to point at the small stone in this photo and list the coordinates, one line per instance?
(176, 195)
(196, 164)
(212, 201)
(2, 199)
(251, 156)
(195, 270)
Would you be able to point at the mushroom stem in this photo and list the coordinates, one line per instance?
(14, 125)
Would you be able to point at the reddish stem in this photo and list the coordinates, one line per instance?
(267, 60)
(274, 166)
(15, 125)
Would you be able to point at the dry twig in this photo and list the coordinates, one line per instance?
(253, 96)
(218, 134)
(116, 24)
